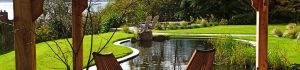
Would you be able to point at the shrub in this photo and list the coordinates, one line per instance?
(291, 31)
(165, 25)
(277, 59)
(213, 23)
(183, 24)
(276, 32)
(192, 20)
(110, 21)
(158, 26)
(291, 26)
(172, 26)
(189, 27)
(243, 19)
(125, 28)
(198, 21)
(44, 33)
(298, 37)
(290, 34)
(195, 25)
(223, 22)
(203, 22)
(212, 18)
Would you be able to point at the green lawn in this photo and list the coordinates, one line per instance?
(284, 44)
(287, 45)
(45, 58)
(224, 29)
(236, 29)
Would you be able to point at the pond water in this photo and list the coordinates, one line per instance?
(173, 54)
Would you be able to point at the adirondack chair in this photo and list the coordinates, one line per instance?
(106, 62)
(201, 60)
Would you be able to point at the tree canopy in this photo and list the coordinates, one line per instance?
(236, 11)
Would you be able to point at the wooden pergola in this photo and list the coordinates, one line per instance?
(27, 11)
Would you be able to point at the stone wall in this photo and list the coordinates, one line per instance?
(6, 33)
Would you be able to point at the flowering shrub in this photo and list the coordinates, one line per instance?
(276, 32)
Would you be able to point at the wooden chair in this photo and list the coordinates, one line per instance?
(106, 62)
(201, 60)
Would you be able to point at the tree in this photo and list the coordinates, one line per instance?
(284, 11)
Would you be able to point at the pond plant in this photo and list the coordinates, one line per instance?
(232, 52)
(241, 55)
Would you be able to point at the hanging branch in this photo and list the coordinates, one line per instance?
(62, 58)
(92, 36)
(123, 14)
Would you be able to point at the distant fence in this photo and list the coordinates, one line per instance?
(7, 37)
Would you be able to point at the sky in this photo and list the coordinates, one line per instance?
(5, 0)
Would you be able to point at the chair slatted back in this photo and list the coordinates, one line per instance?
(106, 62)
(201, 60)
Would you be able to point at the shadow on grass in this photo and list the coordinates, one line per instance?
(295, 67)
(5, 51)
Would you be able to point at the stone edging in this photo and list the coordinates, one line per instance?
(253, 43)
(134, 53)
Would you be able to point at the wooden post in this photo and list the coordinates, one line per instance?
(25, 13)
(78, 7)
(261, 7)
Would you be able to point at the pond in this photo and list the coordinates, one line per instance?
(173, 54)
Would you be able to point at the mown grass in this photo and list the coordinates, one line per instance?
(222, 29)
(238, 54)
(45, 62)
(290, 46)
(235, 29)
(45, 57)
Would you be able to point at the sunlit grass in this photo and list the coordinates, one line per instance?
(45, 62)
(235, 29)
(45, 57)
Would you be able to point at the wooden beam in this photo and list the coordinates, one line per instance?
(261, 7)
(78, 7)
(263, 37)
(24, 36)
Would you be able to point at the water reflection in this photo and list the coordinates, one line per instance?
(172, 54)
